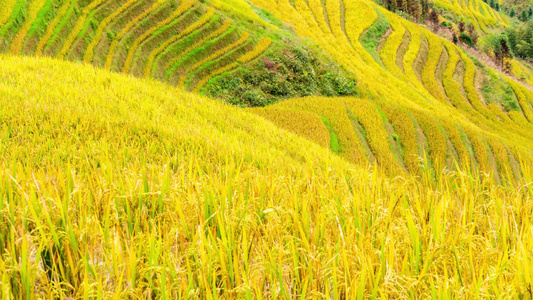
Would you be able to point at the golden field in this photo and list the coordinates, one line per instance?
(116, 182)
(115, 187)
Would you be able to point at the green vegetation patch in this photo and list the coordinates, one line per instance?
(284, 72)
(44, 16)
(497, 90)
(371, 38)
(334, 140)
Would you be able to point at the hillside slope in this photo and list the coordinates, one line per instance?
(182, 42)
(412, 72)
(117, 187)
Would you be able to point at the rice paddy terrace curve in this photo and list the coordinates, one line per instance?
(448, 120)
(133, 36)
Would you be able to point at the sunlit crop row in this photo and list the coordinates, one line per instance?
(305, 124)
(89, 53)
(31, 14)
(428, 73)
(377, 137)
(126, 29)
(335, 111)
(184, 6)
(390, 48)
(80, 22)
(199, 23)
(522, 100)
(227, 24)
(62, 11)
(16, 10)
(405, 128)
(243, 39)
(6, 8)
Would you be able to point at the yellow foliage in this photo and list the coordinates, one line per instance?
(184, 6)
(126, 29)
(78, 27)
(305, 124)
(6, 7)
(405, 127)
(143, 182)
(33, 9)
(428, 73)
(334, 110)
(243, 39)
(435, 136)
(199, 23)
(88, 55)
(214, 34)
(377, 136)
(480, 151)
(242, 8)
(261, 46)
(52, 26)
(522, 100)
(502, 158)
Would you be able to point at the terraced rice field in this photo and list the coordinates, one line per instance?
(482, 16)
(141, 37)
(426, 100)
(422, 101)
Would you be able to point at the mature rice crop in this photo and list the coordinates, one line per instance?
(182, 8)
(117, 187)
(33, 9)
(199, 23)
(53, 25)
(80, 23)
(89, 53)
(261, 47)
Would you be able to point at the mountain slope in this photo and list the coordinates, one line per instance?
(437, 82)
(117, 187)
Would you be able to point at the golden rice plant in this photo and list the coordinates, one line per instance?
(368, 115)
(470, 89)
(318, 12)
(62, 11)
(225, 26)
(18, 40)
(126, 29)
(519, 119)
(78, 27)
(428, 73)
(435, 136)
(261, 47)
(522, 100)
(455, 138)
(403, 125)
(243, 39)
(89, 53)
(305, 124)
(146, 191)
(334, 111)
(199, 23)
(6, 7)
(452, 87)
(480, 150)
(390, 48)
(184, 6)
(502, 159)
